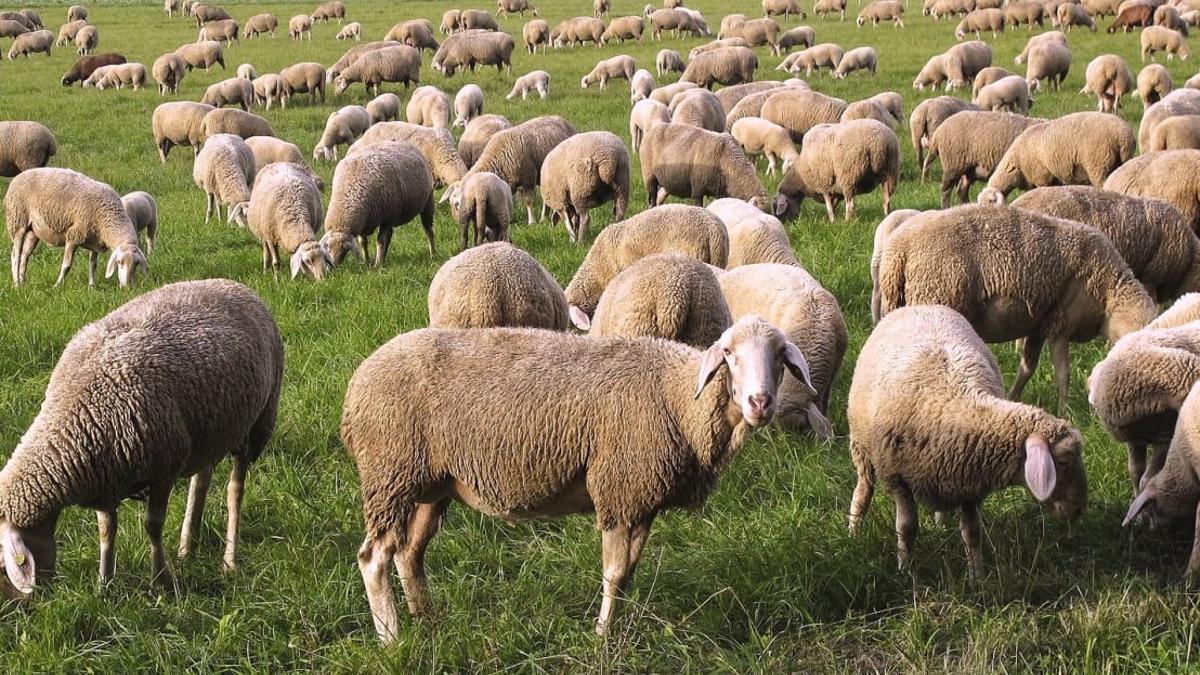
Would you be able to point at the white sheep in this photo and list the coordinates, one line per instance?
(482, 204)
(641, 85)
(645, 114)
(537, 80)
(143, 213)
(494, 285)
(468, 104)
(760, 137)
(581, 173)
(383, 108)
(284, 212)
(430, 107)
(224, 170)
(343, 127)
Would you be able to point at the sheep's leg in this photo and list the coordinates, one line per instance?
(615, 544)
(850, 205)
(964, 191)
(770, 164)
(620, 204)
(1137, 465)
(194, 513)
(374, 560)
(582, 224)
(156, 516)
(236, 489)
(527, 197)
(68, 258)
(906, 524)
(15, 257)
(1156, 461)
(31, 242)
(1060, 356)
(383, 241)
(208, 205)
(410, 561)
(106, 521)
(427, 225)
(1029, 360)
(1193, 568)
(829, 208)
(969, 526)
(637, 541)
(93, 260)
(861, 501)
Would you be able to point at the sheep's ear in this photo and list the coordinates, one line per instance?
(18, 560)
(781, 206)
(111, 269)
(579, 318)
(352, 245)
(297, 262)
(326, 256)
(818, 422)
(713, 357)
(1145, 498)
(1040, 475)
(794, 359)
(237, 214)
(139, 260)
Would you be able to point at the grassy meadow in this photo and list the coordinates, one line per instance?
(763, 579)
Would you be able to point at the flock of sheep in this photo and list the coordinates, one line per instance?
(701, 323)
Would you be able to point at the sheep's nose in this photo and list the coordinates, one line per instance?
(759, 403)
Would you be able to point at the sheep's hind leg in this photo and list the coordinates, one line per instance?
(969, 526)
(68, 258)
(31, 242)
(236, 490)
(906, 524)
(1060, 356)
(1029, 360)
(382, 242)
(1193, 569)
(410, 561)
(18, 244)
(156, 516)
(93, 260)
(106, 522)
(197, 493)
(374, 558)
(861, 501)
(615, 546)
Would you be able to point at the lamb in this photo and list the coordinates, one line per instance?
(435, 145)
(1051, 154)
(329, 10)
(754, 237)
(299, 26)
(640, 85)
(451, 21)
(1009, 94)
(1159, 39)
(482, 205)
(141, 382)
(225, 30)
(399, 63)
(988, 76)
(283, 213)
(270, 88)
(269, 150)
(1176, 133)
(955, 66)
(233, 121)
(970, 145)
(980, 20)
(698, 108)
(416, 33)
(343, 127)
(430, 106)
(120, 75)
(534, 34)
(202, 55)
(1136, 16)
(966, 256)
(87, 39)
(517, 154)
(1153, 84)
(496, 285)
(1169, 175)
(233, 91)
(306, 78)
(35, 42)
(1050, 62)
(383, 108)
(620, 66)
(581, 173)
(375, 188)
(478, 19)
(690, 230)
(478, 132)
(1183, 101)
(859, 58)
(825, 55)
(927, 117)
(224, 170)
(351, 31)
(801, 35)
(260, 24)
(645, 114)
(61, 207)
(624, 28)
(668, 61)
(724, 66)
(694, 163)
(760, 137)
(178, 123)
(66, 32)
(537, 80)
(1108, 77)
(654, 380)
(838, 162)
(784, 8)
(474, 48)
(925, 359)
(729, 97)
(24, 146)
(799, 110)
(882, 10)
(1071, 14)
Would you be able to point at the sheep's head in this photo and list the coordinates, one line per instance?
(991, 196)
(25, 551)
(340, 84)
(338, 244)
(124, 261)
(861, 21)
(238, 214)
(1054, 472)
(313, 258)
(452, 195)
(755, 354)
(585, 81)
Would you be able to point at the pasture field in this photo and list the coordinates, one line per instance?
(762, 579)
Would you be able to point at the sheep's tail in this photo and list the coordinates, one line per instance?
(891, 281)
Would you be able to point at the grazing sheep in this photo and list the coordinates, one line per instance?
(234, 121)
(234, 91)
(119, 76)
(329, 10)
(882, 10)
(284, 213)
(825, 55)
(838, 162)
(435, 145)
(803, 36)
(883, 230)
(377, 187)
(383, 108)
(269, 150)
(698, 108)
(225, 30)
(429, 106)
(1169, 17)
(987, 76)
(202, 55)
(758, 32)
(206, 13)
(1159, 39)
(417, 33)
(1048, 61)
(760, 137)
(517, 154)
(860, 58)
(515, 7)
(270, 88)
(640, 85)
(299, 26)
(474, 48)
(754, 237)
(496, 285)
(178, 123)
(1108, 78)
(980, 20)
(35, 42)
(478, 19)
(351, 31)
(224, 170)
(729, 97)
(970, 145)
(343, 127)
(925, 359)
(77, 13)
(1028, 12)
(1153, 84)
(824, 8)
(1070, 14)
(1135, 16)
(624, 28)
(927, 117)
(1053, 154)
(1009, 94)
(668, 61)
(784, 8)
(1169, 175)
(451, 21)
(870, 109)
(260, 24)
(66, 32)
(1100, 8)
(537, 80)
(620, 66)
(689, 230)
(656, 383)
(724, 66)
(799, 110)
(956, 66)
(133, 404)
(482, 205)
(1064, 281)
(675, 20)
(24, 146)
(398, 63)
(247, 71)
(1180, 132)
(645, 114)
(667, 93)
(61, 207)
(476, 135)
(84, 67)
(536, 34)
(694, 163)
(87, 39)
(583, 172)
(1185, 101)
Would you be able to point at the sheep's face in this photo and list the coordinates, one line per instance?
(25, 551)
(1068, 488)
(339, 85)
(124, 261)
(787, 208)
(313, 258)
(338, 244)
(756, 354)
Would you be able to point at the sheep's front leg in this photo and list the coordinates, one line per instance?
(410, 562)
(156, 516)
(829, 208)
(527, 197)
(1029, 359)
(93, 260)
(15, 257)
(31, 242)
(969, 527)
(1157, 460)
(197, 493)
(615, 546)
(1137, 465)
(1061, 357)
(374, 558)
(907, 526)
(236, 490)
(68, 259)
(383, 241)
(106, 521)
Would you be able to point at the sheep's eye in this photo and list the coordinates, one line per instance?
(727, 351)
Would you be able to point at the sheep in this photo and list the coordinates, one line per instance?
(667, 93)
(202, 55)
(1153, 84)
(34, 19)
(1063, 281)
(260, 24)
(799, 110)
(383, 108)
(35, 42)
(377, 187)
(1049, 62)
(620, 66)
(534, 34)
(956, 66)
(1183, 101)
(451, 21)
(760, 137)
(84, 67)
(416, 33)
(724, 66)
(131, 406)
(170, 7)
(329, 10)
(475, 48)
(478, 19)
(87, 39)
(120, 75)
(351, 31)
(980, 20)
(1100, 8)
(987, 76)
(754, 237)
(1010, 94)
(1136, 16)
(537, 80)
(668, 61)
(225, 30)
(1175, 133)
(1159, 39)
(824, 8)
(1053, 154)
(247, 71)
(66, 32)
(757, 33)
(1108, 77)
(343, 127)
(869, 109)
(1169, 17)
(1024, 12)
(970, 145)
(675, 20)
(233, 91)
(515, 7)
(1168, 175)
(640, 85)
(299, 26)
(24, 146)
(206, 13)
(839, 161)
(517, 154)
(178, 123)
(399, 63)
(882, 10)
(269, 150)
(283, 213)
(784, 8)
(77, 13)
(435, 145)
(698, 108)
(482, 205)
(430, 106)
(645, 114)
(61, 207)
(270, 88)
(10, 28)
(622, 29)
(729, 97)
(476, 135)
(224, 170)
(601, 8)
(882, 231)
(495, 285)
(577, 31)
(825, 55)
(927, 117)
(799, 36)
(654, 379)
(925, 359)
(581, 173)
(859, 58)
(1070, 14)
(694, 163)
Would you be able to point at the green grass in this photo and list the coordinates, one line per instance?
(764, 578)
